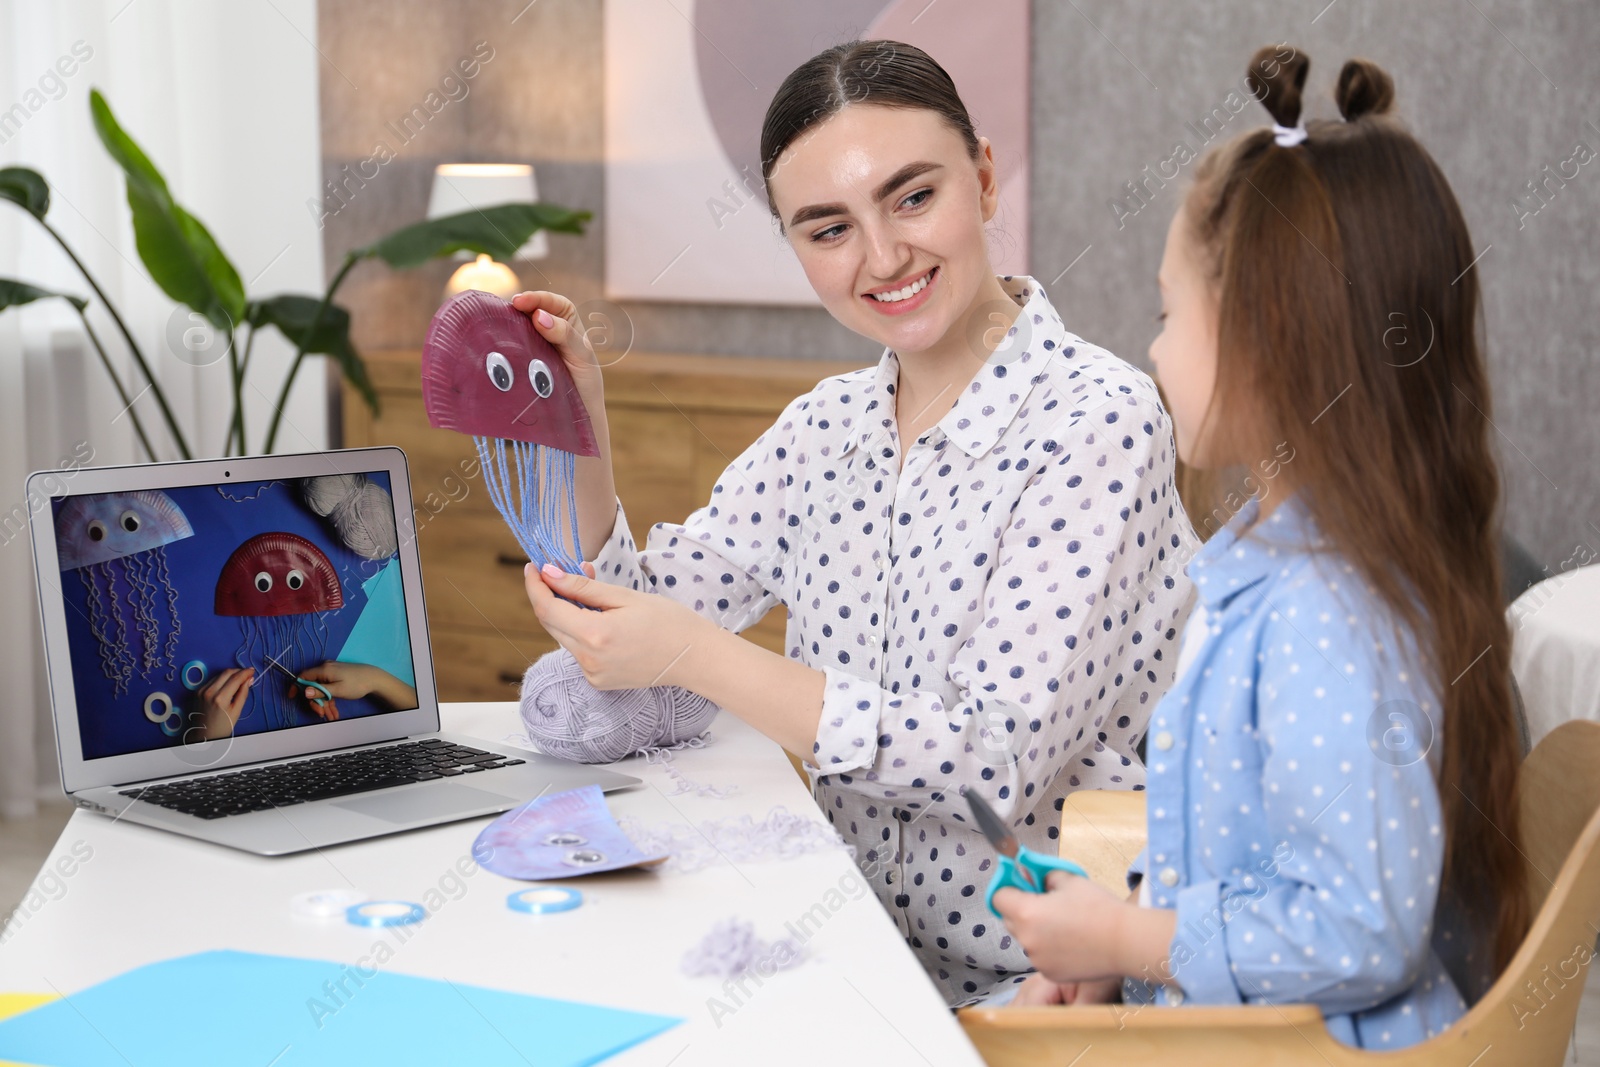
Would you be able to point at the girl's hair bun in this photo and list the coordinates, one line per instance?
(1276, 77)
(1364, 89)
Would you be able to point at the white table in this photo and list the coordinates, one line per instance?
(1555, 649)
(145, 895)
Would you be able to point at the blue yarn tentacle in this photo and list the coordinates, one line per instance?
(534, 488)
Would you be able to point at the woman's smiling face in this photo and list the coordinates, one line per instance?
(886, 209)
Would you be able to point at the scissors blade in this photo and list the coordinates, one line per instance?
(281, 667)
(304, 682)
(1003, 840)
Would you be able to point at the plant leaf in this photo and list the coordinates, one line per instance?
(497, 231)
(14, 294)
(180, 253)
(26, 188)
(291, 313)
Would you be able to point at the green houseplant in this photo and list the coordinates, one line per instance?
(190, 267)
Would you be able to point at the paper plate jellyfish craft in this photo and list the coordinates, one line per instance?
(279, 585)
(485, 372)
(117, 544)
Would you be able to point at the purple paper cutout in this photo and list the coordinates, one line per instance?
(559, 836)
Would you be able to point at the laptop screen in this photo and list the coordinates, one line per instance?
(201, 612)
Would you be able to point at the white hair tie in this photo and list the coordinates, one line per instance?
(1289, 136)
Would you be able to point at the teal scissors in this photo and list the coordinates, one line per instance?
(308, 685)
(1019, 868)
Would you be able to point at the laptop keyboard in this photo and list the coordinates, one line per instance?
(237, 792)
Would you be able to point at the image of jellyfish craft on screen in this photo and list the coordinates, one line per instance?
(116, 542)
(279, 586)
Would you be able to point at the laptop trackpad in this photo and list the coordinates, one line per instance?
(438, 800)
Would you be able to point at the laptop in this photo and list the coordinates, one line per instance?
(161, 585)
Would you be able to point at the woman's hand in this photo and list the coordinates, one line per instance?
(1040, 991)
(634, 640)
(1078, 932)
(555, 318)
(220, 702)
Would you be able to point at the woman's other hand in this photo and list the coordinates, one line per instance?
(633, 640)
(555, 318)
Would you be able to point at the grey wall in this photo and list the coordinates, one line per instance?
(1498, 90)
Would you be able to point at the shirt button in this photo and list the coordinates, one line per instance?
(1174, 996)
(1164, 740)
(879, 562)
(1169, 877)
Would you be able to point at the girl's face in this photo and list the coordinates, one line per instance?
(885, 209)
(1185, 352)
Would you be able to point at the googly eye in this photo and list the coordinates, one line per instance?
(498, 368)
(539, 376)
(263, 582)
(97, 530)
(294, 579)
(129, 520)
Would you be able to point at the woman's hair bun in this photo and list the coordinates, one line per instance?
(1364, 89)
(1276, 77)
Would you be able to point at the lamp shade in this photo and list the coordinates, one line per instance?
(459, 187)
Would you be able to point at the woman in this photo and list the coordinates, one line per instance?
(967, 537)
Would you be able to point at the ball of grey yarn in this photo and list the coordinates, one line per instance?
(365, 521)
(324, 493)
(568, 717)
(360, 510)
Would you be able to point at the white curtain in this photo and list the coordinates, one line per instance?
(223, 98)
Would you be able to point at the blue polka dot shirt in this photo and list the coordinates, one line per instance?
(1294, 820)
(994, 606)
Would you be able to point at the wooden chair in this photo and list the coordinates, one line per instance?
(1524, 1020)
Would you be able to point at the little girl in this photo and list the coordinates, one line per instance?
(1336, 761)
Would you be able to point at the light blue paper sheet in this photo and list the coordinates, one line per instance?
(230, 1007)
(380, 636)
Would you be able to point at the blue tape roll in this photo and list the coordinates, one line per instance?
(194, 664)
(385, 913)
(544, 900)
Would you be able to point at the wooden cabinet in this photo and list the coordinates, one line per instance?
(676, 421)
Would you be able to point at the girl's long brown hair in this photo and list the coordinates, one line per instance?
(1348, 326)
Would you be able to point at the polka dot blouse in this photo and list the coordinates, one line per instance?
(1294, 821)
(994, 606)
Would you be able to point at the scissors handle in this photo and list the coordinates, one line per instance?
(1037, 864)
(326, 695)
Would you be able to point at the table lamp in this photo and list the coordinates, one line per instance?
(459, 187)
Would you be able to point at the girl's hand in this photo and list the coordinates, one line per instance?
(220, 702)
(1040, 991)
(635, 639)
(555, 318)
(1078, 932)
